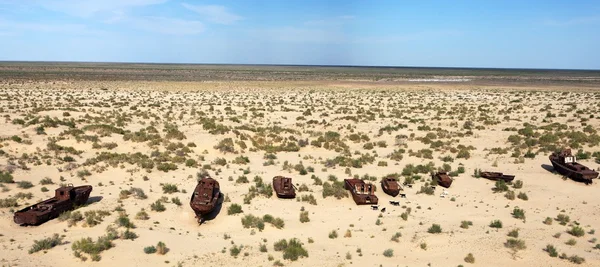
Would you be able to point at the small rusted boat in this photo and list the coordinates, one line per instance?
(65, 198)
(205, 197)
(495, 176)
(442, 178)
(362, 193)
(391, 186)
(566, 164)
(283, 186)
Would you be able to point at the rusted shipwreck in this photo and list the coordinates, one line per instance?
(566, 164)
(65, 198)
(283, 186)
(391, 186)
(205, 197)
(495, 176)
(362, 193)
(442, 178)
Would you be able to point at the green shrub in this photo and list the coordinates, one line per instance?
(124, 221)
(158, 206)
(576, 259)
(87, 245)
(551, 251)
(523, 196)
(496, 224)
(161, 248)
(465, 224)
(500, 186)
(388, 253)
(46, 181)
(548, 221)
(469, 258)
(518, 213)
(251, 221)
(515, 244)
(510, 195)
(335, 189)
(333, 234)
(562, 219)
(234, 209)
(169, 188)
(304, 217)
(434, 229)
(514, 233)
(46, 243)
(24, 184)
(396, 237)
(235, 250)
(150, 250)
(518, 184)
(576, 231)
(6, 177)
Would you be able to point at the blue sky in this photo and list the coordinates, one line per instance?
(442, 33)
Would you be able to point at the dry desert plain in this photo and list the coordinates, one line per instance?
(142, 144)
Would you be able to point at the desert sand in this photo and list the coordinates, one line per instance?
(428, 122)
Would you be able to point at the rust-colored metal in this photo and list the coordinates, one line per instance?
(362, 193)
(205, 197)
(566, 164)
(65, 198)
(442, 178)
(495, 176)
(283, 186)
(391, 186)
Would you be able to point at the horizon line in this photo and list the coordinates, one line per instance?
(292, 65)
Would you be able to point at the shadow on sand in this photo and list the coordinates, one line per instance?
(93, 200)
(213, 214)
(548, 168)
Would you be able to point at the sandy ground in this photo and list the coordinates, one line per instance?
(191, 244)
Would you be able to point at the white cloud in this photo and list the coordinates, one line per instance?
(166, 25)
(89, 8)
(573, 21)
(214, 13)
(334, 21)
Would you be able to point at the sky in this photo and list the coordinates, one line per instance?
(426, 33)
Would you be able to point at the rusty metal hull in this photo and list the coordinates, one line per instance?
(573, 170)
(494, 176)
(442, 179)
(283, 186)
(66, 198)
(391, 186)
(362, 193)
(205, 197)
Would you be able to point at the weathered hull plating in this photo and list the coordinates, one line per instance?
(283, 187)
(205, 197)
(391, 188)
(494, 176)
(579, 176)
(51, 208)
(362, 193)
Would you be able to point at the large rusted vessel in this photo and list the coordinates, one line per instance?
(362, 193)
(566, 164)
(390, 186)
(495, 176)
(442, 178)
(65, 198)
(205, 197)
(283, 186)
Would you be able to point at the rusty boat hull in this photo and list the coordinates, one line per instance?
(391, 186)
(495, 176)
(66, 198)
(442, 179)
(362, 193)
(205, 197)
(283, 187)
(565, 163)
